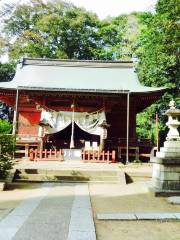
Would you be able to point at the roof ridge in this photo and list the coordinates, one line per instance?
(74, 60)
(76, 63)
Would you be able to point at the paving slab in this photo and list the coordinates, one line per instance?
(116, 216)
(53, 212)
(81, 235)
(138, 216)
(155, 216)
(10, 225)
(4, 212)
(81, 225)
(50, 220)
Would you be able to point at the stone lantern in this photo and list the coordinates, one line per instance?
(173, 122)
(166, 164)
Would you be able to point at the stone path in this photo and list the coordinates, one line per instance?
(81, 225)
(10, 225)
(54, 212)
(138, 216)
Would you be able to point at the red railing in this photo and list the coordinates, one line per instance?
(46, 155)
(99, 157)
(58, 155)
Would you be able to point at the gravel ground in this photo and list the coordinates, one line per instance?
(134, 197)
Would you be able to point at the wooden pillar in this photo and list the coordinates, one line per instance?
(15, 118)
(102, 139)
(101, 145)
(127, 133)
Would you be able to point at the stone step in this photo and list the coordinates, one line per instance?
(53, 178)
(70, 172)
(70, 175)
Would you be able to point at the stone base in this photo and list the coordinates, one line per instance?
(2, 186)
(166, 176)
(171, 149)
(72, 154)
(163, 193)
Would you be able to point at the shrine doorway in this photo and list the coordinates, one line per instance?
(62, 139)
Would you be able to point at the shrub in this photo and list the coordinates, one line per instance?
(7, 147)
(5, 127)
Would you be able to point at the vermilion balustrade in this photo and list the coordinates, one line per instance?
(99, 157)
(46, 155)
(87, 155)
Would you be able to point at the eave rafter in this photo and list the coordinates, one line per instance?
(143, 101)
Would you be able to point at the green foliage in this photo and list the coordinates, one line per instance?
(2, 45)
(5, 127)
(7, 71)
(146, 124)
(61, 30)
(55, 30)
(159, 46)
(111, 34)
(158, 53)
(7, 146)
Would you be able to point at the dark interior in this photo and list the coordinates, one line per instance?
(62, 139)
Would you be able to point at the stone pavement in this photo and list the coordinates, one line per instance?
(139, 216)
(81, 225)
(54, 212)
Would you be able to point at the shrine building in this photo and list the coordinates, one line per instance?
(74, 104)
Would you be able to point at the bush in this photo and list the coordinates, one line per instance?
(5, 127)
(7, 147)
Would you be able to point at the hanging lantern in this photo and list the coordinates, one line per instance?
(104, 124)
(44, 123)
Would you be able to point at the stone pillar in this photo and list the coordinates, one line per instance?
(166, 164)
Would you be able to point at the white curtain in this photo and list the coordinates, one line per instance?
(88, 122)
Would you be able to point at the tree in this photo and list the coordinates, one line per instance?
(159, 44)
(61, 30)
(111, 33)
(7, 71)
(55, 30)
(7, 146)
(158, 53)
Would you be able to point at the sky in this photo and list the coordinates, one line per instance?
(104, 8)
